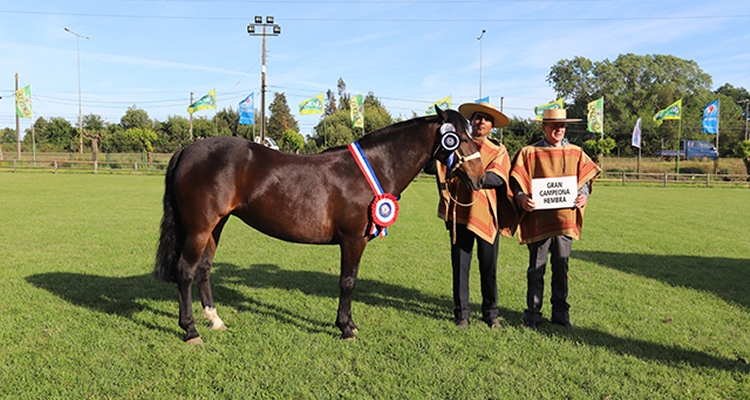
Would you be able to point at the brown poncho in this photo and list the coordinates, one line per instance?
(481, 211)
(549, 162)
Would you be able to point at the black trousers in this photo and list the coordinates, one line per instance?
(558, 247)
(461, 253)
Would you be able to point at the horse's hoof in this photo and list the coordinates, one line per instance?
(350, 338)
(218, 327)
(355, 330)
(194, 341)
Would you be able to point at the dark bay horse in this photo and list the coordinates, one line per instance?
(321, 199)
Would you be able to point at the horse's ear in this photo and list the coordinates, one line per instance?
(442, 114)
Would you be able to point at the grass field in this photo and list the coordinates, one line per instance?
(659, 295)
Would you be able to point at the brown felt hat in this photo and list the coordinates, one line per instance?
(499, 119)
(557, 115)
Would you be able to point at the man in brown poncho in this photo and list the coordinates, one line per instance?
(480, 216)
(544, 226)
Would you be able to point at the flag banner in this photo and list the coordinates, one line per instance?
(595, 120)
(23, 102)
(247, 110)
(356, 111)
(711, 117)
(444, 104)
(674, 111)
(204, 103)
(483, 100)
(312, 106)
(637, 134)
(539, 110)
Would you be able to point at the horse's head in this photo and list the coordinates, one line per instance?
(456, 150)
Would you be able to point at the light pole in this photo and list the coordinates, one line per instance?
(80, 118)
(275, 31)
(480, 62)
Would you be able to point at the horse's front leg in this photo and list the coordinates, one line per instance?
(351, 253)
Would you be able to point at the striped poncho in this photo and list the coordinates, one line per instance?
(486, 211)
(548, 162)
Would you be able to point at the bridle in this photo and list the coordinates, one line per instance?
(449, 142)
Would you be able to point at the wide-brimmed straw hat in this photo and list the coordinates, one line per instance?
(499, 119)
(557, 115)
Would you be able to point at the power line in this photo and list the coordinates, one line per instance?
(399, 20)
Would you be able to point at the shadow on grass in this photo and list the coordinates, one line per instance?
(724, 277)
(661, 353)
(125, 297)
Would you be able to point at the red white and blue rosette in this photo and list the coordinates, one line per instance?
(384, 210)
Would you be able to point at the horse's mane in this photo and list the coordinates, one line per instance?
(375, 136)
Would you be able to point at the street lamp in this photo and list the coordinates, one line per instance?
(480, 62)
(275, 31)
(80, 119)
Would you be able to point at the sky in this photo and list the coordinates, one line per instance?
(152, 54)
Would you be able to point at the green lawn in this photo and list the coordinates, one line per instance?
(659, 293)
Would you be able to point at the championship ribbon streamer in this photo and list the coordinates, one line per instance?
(384, 208)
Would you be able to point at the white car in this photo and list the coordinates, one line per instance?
(268, 142)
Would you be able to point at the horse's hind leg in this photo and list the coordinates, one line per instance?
(187, 267)
(204, 278)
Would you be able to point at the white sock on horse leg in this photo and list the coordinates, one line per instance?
(210, 314)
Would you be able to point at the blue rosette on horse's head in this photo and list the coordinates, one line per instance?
(384, 208)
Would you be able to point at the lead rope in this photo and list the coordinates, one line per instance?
(456, 203)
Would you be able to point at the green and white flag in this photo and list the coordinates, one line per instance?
(595, 120)
(539, 110)
(204, 103)
(674, 111)
(312, 105)
(23, 102)
(357, 111)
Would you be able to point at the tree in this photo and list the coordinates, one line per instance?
(58, 134)
(330, 102)
(633, 86)
(145, 137)
(136, 118)
(343, 96)
(281, 118)
(227, 122)
(336, 129)
(292, 141)
(204, 128)
(172, 134)
(93, 128)
(742, 150)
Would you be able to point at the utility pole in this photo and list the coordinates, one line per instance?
(746, 102)
(275, 31)
(18, 127)
(191, 119)
(80, 118)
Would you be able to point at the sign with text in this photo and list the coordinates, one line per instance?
(551, 193)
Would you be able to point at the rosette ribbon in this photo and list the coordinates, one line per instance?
(384, 208)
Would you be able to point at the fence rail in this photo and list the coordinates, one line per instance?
(671, 179)
(121, 167)
(108, 167)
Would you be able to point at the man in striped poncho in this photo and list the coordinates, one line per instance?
(551, 227)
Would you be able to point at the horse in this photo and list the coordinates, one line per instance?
(317, 199)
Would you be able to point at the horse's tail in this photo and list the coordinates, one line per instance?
(171, 237)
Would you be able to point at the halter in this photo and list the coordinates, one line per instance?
(450, 142)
